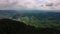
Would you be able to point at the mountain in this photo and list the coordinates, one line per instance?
(40, 18)
(7, 13)
(29, 22)
(9, 26)
(37, 18)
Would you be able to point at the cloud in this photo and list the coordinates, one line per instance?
(29, 4)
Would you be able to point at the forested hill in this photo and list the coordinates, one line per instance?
(35, 18)
(8, 26)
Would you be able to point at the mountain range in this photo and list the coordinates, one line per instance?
(38, 18)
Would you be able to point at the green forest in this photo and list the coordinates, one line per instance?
(42, 22)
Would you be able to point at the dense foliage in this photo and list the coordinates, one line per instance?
(37, 18)
(42, 19)
(8, 26)
(36, 22)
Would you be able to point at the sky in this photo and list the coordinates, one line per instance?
(30, 4)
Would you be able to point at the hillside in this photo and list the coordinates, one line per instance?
(33, 17)
(47, 19)
(9, 26)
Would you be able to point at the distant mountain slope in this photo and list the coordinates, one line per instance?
(33, 17)
(7, 13)
(39, 19)
(36, 13)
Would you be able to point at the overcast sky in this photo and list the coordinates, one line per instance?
(30, 4)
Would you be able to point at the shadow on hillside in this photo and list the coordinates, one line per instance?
(8, 26)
